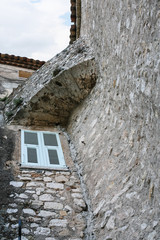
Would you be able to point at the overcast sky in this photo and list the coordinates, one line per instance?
(37, 29)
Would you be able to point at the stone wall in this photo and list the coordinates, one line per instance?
(49, 202)
(116, 129)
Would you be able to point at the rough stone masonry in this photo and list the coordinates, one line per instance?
(116, 130)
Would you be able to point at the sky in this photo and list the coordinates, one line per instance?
(37, 29)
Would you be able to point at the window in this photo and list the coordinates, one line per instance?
(41, 149)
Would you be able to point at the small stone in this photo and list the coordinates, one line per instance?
(53, 205)
(29, 211)
(76, 190)
(29, 191)
(39, 191)
(61, 179)
(111, 224)
(58, 223)
(38, 179)
(22, 195)
(48, 173)
(143, 226)
(62, 198)
(152, 235)
(46, 197)
(13, 205)
(63, 213)
(23, 238)
(6, 225)
(14, 226)
(57, 186)
(35, 196)
(36, 204)
(46, 213)
(68, 208)
(47, 179)
(67, 173)
(12, 219)
(16, 184)
(155, 223)
(50, 238)
(65, 232)
(35, 219)
(11, 210)
(34, 225)
(77, 195)
(35, 184)
(25, 178)
(25, 231)
(42, 231)
(70, 183)
(80, 202)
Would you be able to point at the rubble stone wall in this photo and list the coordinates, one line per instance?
(49, 202)
(116, 130)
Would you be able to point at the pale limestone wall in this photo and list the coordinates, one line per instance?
(116, 130)
(49, 202)
(11, 77)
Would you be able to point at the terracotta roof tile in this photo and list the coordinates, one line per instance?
(18, 61)
(75, 19)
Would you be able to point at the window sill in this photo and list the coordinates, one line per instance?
(45, 168)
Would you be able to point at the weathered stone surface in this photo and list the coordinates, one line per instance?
(56, 89)
(56, 186)
(47, 179)
(29, 211)
(16, 184)
(46, 197)
(35, 184)
(58, 223)
(79, 202)
(11, 210)
(42, 231)
(116, 130)
(77, 195)
(25, 231)
(61, 179)
(50, 238)
(46, 213)
(53, 205)
(22, 195)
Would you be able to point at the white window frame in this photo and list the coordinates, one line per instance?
(42, 153)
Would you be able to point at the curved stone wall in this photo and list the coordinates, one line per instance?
(116, 129)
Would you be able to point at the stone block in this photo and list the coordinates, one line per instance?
(42, 231)
(61, 179)
(46, 198)
(16, 184)
(47, 179)
(35, 184)
(56, 186)
(58, 223)
(79, 202)
(11, 210)
(53, 205)
(77, 195)
(45, 214)
(29, 211)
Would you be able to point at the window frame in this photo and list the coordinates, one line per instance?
(42, 151)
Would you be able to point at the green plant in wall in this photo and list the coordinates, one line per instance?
(3, 99)
(9, 114)
(17, 101)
